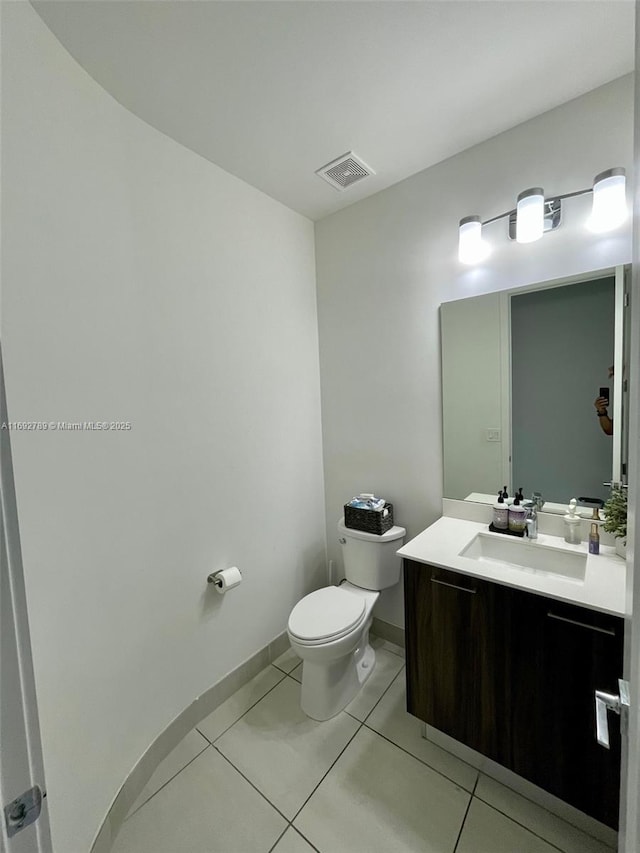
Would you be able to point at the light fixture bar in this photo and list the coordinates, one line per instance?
(555, 198)
(534, 214)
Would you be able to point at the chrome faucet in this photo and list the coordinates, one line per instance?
(532, 522)
(531, 519)
(538, 500)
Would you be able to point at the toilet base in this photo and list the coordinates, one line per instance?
(327, 688)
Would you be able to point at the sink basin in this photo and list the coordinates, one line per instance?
(526, 556)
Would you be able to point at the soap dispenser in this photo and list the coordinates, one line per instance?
(500, 514)
(572, 523)
(517, 517)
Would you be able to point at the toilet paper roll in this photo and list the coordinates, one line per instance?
(227, 579)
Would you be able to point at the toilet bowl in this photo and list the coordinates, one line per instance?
(329, 628)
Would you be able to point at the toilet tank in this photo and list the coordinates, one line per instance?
(370, 561)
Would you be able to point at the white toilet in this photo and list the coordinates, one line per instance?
(329, 628)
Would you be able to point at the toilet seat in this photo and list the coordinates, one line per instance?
(326, 615)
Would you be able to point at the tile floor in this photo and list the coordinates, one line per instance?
(257, 776)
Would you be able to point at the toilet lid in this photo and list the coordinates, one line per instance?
(326, 613)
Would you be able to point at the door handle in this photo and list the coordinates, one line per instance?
(618, 703)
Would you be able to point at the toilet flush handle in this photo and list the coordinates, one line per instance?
(342, 540)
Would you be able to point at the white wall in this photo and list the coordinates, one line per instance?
(142, 283)
(386, 263)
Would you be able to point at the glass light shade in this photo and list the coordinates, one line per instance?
(609, 201)
(530, 215)
(471, 247)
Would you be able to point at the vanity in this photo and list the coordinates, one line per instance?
(506, 642)
(508, 639)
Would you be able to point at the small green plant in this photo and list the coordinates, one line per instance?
(615, 510)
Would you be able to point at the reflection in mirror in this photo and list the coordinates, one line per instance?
(561, 349)
(521, 372)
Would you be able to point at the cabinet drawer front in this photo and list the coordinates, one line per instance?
(454, 580)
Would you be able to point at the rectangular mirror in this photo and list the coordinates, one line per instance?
(521, 370)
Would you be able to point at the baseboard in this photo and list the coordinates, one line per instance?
(178, 729)
(387, 631)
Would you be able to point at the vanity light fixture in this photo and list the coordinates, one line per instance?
(609, 203)
(530, 215)
(534, 214)
(472, 248)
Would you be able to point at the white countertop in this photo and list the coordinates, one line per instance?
(603, 587)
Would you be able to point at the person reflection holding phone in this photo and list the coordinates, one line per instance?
(601, 403)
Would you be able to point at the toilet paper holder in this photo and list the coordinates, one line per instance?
(225, 579)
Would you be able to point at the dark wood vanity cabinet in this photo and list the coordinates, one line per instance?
(512, 675)
(453, 654)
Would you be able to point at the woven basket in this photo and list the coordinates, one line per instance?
(368, 520)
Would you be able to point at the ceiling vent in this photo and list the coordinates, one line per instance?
(345, 171)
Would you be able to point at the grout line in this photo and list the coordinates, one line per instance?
(246, 778)
(548, 811)
(217, 738)
(284, 670)
(204, 749)
(464, 819)
(278, 839)
(426, 763)
(292, 676)
(334, 762)
(313, 846)
(537, 834)
(384, 693)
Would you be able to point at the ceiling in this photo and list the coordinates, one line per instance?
(271, 91)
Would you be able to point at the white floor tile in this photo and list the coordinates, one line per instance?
(378, 799)
(206, 807)
(387, 667)
(488, 831)
(231, 710)
(391, 719)
(287, 661)
(553, 829)
(297, 673)
(283, 752)
(379, 643)
(292, 842)
(184, 752)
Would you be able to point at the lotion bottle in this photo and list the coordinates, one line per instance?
(594, 540)
(500, 514)
(572, 522)
(517, 517)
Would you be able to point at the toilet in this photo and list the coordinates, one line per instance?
(329, 628)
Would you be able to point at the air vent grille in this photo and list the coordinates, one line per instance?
(345, 171)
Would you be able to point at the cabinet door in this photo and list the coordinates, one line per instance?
(561, 654)
(453, 628)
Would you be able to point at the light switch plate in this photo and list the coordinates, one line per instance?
(493, 435)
